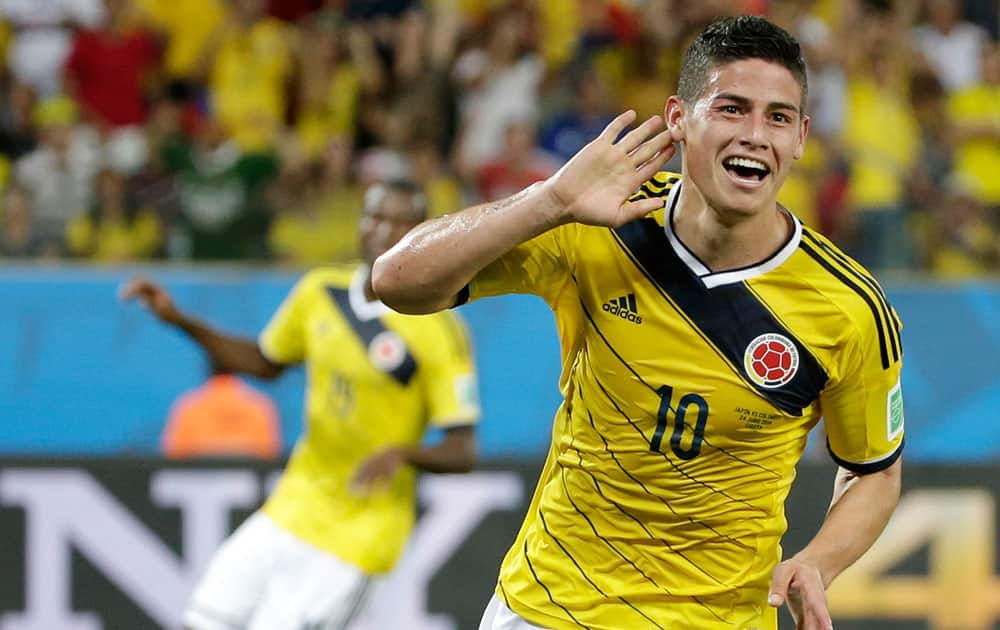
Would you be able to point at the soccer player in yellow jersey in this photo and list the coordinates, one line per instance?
(704, 332)
(377, 379)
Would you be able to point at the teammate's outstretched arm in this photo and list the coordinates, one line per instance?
(860, 510)
(232, 354)
(425, 271)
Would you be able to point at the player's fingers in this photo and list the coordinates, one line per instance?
(654, 164)
(132, 289)
(780, 578)
(638, 209)
(637, 136)
(651, 147)
(618, 125)
(815, 609)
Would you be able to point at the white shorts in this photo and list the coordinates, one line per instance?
(499, 617)
(264, 578)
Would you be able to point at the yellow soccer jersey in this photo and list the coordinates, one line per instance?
(375, 379)
(687, 399)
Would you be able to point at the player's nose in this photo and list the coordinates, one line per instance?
(754, 132)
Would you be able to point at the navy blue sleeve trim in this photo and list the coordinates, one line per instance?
(870, 467)
(464, 425)
(462, 297)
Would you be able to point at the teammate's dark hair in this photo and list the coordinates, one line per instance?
(377, 192)
(735, 38)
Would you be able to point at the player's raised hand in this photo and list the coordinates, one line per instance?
(152, 296)
(377, 469)
(800, 585)
(594, 186)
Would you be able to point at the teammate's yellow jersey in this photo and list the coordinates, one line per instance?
(375, 379)
(687, 399)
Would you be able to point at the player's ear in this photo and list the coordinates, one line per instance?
(803, 133)
(673, 115)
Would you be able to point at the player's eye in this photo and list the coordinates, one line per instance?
(730, 109)
(781, 118)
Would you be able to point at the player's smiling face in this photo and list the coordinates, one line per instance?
(742, 134)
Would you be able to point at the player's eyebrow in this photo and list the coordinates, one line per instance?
(743, 101)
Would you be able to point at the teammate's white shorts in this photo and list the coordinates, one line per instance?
(263, 578)
(499, 617)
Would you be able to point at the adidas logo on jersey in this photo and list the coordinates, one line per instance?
(624, 307)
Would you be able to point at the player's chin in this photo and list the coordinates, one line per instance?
(746, 202)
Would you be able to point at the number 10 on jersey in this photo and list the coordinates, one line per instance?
(679, 413)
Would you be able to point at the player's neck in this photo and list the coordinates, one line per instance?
(724, 241)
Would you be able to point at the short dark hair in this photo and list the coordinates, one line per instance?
(377, 192)
(733, 39)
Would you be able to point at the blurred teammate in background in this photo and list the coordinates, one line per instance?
(376, 380)
(704, 331)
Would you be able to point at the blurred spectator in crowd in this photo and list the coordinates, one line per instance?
(110, 69)
(520, 164)
(224, 417)
(186, 26)
(499, 83)
(425, 91)
(975, 113)
(153, 185)
(589, 112)
(59, 174)
(881, 138)
(220, 188)
(17, 235)
(984, 13)
(964, 241)
(115, 230)
(934, 164)
(429, 171)
(825, 63)
(376, 9)
(330, 82)
(43, 35)
(951, 46)
(292, 10)
(411, 55)
(17, 130)
(318, 208)
(250, 67)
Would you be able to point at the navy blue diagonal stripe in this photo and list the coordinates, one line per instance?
(730, 316)
(840, 275)
(367, 330)
(890, 323)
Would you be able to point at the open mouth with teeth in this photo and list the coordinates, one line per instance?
(746, 169)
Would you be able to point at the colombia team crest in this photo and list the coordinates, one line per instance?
(771, 360)
(387, 351)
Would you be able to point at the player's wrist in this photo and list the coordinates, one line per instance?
(553, 206)
(815, 562)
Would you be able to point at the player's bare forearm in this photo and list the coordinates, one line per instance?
(425, 270)
(860, 510)
(229, 353)
(456, 453)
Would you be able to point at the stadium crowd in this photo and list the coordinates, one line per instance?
(249, 129)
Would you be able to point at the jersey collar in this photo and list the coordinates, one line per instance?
(714, 279)
(363, 309)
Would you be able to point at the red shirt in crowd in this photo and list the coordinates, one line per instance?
(105, 73)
